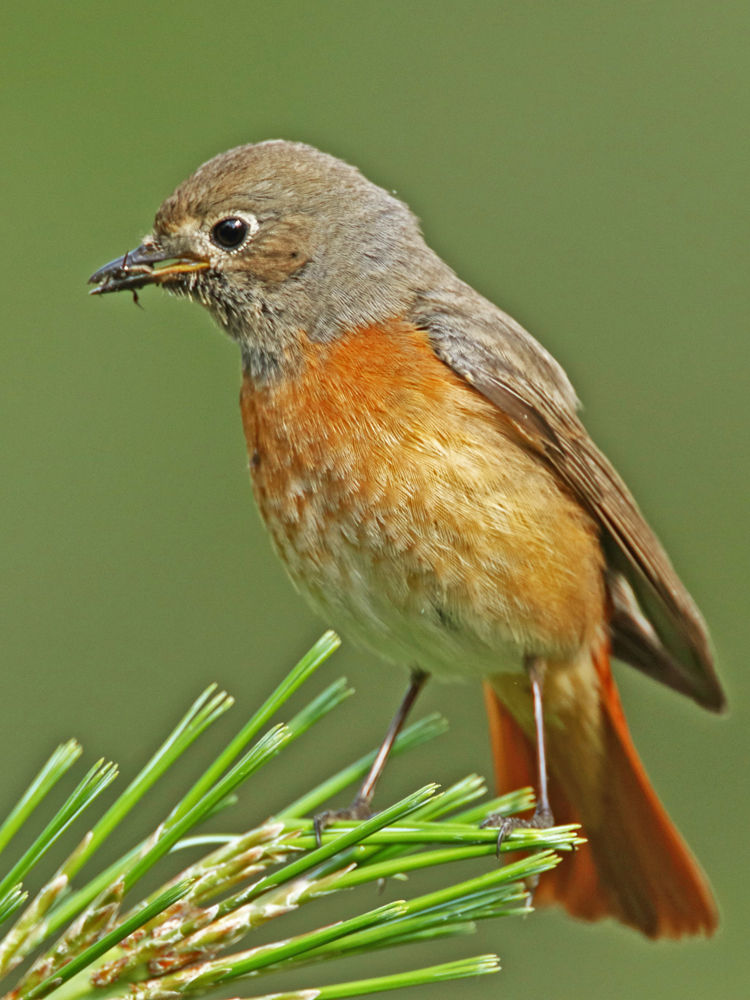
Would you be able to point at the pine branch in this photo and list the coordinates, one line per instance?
(173, 943)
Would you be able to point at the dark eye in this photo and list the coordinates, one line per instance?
(229, 233)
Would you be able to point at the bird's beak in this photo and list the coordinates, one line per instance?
(140, 267)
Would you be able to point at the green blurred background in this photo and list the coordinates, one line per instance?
(584, 165)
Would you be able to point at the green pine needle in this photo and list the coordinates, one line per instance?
(199, 717)
(409, 739)
(61, 761)
(309, 663)
(93, 784)
(266, 748)
(169, 945)
(108, 941)
(463, 969)
(11, 902)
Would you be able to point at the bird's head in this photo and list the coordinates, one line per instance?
(276, 239)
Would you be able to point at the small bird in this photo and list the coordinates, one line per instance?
(418, 460)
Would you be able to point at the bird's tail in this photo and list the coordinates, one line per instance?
(635, 866)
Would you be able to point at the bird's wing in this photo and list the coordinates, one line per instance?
(668, 638)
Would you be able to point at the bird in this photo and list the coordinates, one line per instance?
(419, 462)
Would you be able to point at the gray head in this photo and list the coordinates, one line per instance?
(278, 238)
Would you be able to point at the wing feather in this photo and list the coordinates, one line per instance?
(506, 365)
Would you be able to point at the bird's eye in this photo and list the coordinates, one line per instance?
(230, 233)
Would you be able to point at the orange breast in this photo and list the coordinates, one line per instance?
(410, 516)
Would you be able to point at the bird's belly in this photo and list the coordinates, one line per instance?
(416, 524)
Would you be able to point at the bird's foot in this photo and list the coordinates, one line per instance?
(541, 820)
(359, 810)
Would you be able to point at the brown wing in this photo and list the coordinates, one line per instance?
(655, 625)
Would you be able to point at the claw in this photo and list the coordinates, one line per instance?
(541, 820)
(503, 824)
(359, 810)
(318, 828)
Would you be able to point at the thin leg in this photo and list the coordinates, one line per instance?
(542, 818)
(536, 673)
(360, 807)
(417, 682)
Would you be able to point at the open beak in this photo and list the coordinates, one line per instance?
(141, 267)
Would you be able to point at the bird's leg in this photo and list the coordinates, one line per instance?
(536, 670)
(360, 807)
(542, 818)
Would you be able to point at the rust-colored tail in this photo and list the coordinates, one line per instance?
(635, 866)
